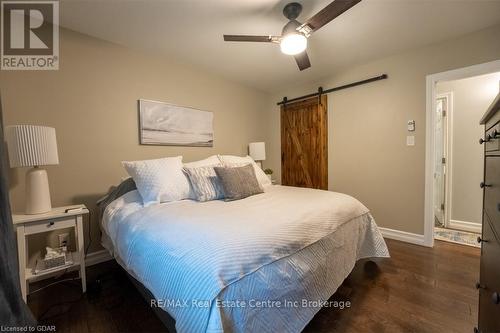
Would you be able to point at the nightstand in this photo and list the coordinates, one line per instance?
(56, 219)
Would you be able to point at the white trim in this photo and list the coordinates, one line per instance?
(431, 80)
(97, 257)
(465, 226)
(403, 236)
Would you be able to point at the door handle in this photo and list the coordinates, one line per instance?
(488, 138)
(483, 185)
(495, 298)
(480, 240)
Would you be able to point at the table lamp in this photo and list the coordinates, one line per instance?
(33, 146)
(257, 151)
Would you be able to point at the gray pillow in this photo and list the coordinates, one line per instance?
(238, 182)
(205, 183)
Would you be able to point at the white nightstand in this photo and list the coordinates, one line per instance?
(56, 219)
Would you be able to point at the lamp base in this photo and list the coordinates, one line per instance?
(37, 192)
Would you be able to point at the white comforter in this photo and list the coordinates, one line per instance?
(190, 252)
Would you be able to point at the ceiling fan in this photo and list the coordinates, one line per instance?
(293, 39)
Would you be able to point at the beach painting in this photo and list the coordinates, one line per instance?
(171, 125)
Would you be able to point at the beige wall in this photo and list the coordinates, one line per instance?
(368, 156)
(471, 98)
(92, 103)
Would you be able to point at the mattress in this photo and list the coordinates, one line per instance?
(265, 263)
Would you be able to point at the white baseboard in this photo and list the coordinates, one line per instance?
(97, 257)
(403, 236)
(465, 226)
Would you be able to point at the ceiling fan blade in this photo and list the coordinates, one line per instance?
(246, 38)
(327, 14)
(302, 60)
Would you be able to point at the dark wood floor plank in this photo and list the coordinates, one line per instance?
(419, 289)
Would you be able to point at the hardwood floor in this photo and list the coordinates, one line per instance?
(418, 290)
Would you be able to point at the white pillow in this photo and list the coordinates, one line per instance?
(209, 161)
(228, 160)
(160, 180)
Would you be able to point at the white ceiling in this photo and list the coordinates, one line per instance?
(192, 30)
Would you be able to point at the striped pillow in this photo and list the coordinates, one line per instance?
(205, 183)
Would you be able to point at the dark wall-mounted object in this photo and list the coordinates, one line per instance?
(322, 91)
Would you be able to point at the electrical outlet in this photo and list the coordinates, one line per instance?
(63, 239)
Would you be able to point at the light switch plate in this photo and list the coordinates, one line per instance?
(410, 140)
(411, 125)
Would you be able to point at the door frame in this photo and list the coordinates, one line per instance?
(431, 81)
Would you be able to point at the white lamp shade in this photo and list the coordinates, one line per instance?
(30, 145)
(257, 151)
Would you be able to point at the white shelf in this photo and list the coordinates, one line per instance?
(31, 277)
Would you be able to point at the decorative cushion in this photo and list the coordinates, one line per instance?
(238, 182)
(209, 161)
(160, 180)
(232, 160)
(205, 183)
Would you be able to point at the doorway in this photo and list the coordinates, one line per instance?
(456, 101)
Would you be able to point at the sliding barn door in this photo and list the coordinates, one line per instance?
(304, 143)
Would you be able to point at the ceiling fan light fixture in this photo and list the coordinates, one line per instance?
(294, 35)
(293, 43)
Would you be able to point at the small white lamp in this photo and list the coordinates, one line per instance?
(257, 151)
(33, 146)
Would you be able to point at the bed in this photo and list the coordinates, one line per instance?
(265, 263)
